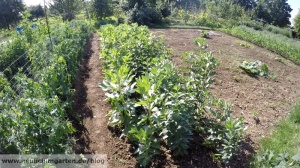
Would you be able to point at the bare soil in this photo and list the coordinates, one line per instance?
(262, 102)
(90, 107)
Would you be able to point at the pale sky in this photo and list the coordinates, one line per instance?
(295, 5)
(34, 2)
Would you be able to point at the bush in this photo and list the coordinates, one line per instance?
(165, 10)
(144, 16)
(68, 16)
(121, 20)
(253, 24)
(297, 24)
(105, 22)
(206, 21)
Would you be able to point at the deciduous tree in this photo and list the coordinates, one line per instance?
(66, 8)
(10, 12)
(276, 12)
(102, 8)
(297, 24)
(36, 11)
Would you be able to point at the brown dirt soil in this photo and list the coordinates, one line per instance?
(94, 136)
(262, 102)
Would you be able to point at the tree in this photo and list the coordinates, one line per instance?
(144, 12)
(66, 8)
(36, 11)
(247, 4)
(280, 12)
(276, 12)
(102, 8)
(10, 12)
(297, 24)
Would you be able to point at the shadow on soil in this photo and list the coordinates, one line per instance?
(80, 110)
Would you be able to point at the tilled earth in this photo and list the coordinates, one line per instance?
(262, 102)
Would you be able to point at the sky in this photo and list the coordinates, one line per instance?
(33, 2)
(295, 5)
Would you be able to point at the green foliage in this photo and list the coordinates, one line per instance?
(144, 16)
(269, 159)
(244, 44)
(204, 34)
(148, 145)
(276, 12)
(105, 21)
(297, 24)
(36, 11)
(253, 24)
(154, 102)
(66, 8)
(102, 8)
(255, 68)
(9, 12)
(222, 13)
(225, 9)
(281, 148)
(247, 4)
(164, 9)
(280, 44)
(207, 21)
(225, 137)
(184, 15)
(277, 30)
(34, 102)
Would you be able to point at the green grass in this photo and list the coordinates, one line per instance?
(285, 136)
(277, 30)
(277, 43)
(243, 44)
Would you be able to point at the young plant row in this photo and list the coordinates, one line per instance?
(280, 44)
(35, 99)
(154, 103)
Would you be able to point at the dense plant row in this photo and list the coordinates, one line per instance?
(34, 100)
(280, 44)
(154, 103)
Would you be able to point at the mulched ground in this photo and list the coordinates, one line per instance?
(262, 102)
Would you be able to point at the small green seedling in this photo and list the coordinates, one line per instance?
(244, 44)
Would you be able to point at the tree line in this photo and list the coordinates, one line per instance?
(149, 12)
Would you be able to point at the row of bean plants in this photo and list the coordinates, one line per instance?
(35, 98)
(290, 48)
(154, 103)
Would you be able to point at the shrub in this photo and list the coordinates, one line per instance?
(207, 21)
(253, 24)
(165, 10)
(144, 16)
(297, 24)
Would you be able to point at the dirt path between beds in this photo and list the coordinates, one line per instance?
(94, 136)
